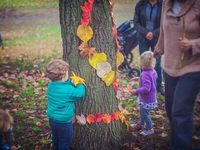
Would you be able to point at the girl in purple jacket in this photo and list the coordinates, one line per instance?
(146, 91)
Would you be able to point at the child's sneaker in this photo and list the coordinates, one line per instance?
(136, 127)
(146, 132)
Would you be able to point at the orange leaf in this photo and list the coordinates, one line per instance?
(114, 116)
(106, 118)
(98, 117)
(90, 118)
(85, 50)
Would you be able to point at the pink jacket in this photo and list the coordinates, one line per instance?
(186, 23)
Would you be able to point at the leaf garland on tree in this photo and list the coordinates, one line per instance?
(85, 33)
(99, 62)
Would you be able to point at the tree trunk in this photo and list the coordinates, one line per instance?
(99, 99)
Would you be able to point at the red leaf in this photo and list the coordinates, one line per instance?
(85, 22)
(106, 118)
(90, 119)
(87, 7)
(115, 34)
(73, 120)
(86, 15)
(116, 85)
(91, 1)
(98, 117)
(114, 116)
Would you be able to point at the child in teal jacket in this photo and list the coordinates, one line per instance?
(62, 94)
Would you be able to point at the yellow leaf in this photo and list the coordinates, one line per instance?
(120, 58)
(109, 78)
(85, 33)
(76, 79)
(97, 58)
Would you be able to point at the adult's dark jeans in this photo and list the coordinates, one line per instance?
(180, 96)
(61, 135)
(145, 45)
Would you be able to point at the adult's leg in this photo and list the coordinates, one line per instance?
(65, 136)
(170, 85)
(144, 45)
(158, 69)
(185, 94)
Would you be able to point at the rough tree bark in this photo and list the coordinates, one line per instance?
(99, 99)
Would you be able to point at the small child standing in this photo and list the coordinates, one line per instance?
(6, 122)
(147, 98)
(62, 95)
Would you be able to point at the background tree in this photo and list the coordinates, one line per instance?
(99, 99)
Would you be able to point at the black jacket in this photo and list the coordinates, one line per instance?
(140, 19)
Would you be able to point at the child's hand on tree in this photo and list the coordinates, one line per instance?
(134, 91)
(135, 79)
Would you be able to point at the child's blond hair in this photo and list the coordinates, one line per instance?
(6, 121)
(147, 60)
(56, 70)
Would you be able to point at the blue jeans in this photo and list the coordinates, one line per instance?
(3, 146)
(145, 118)
(180, 99)
(61, 135)
(145, 45)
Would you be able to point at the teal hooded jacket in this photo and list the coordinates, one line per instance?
(61, 100)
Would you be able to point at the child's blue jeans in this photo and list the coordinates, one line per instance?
(61, 135)
(145, 117)
(3, 146)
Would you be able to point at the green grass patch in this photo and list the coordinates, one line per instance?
(9, 84)
(43, 103)
(19, 129)
(160, 98)
(41, 84)
(29, 4)
(31, 122)
(20, 114)
(36, 130)
(129, 105)
(29, 105)
(28, 92)
(44, 141)
(22, 62)
(35, 35)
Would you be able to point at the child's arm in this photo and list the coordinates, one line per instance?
(146, 85)
(78, 92)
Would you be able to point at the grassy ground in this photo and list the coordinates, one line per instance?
(28, 3)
